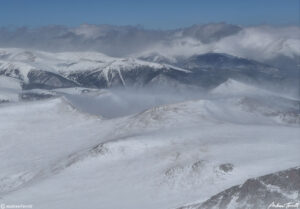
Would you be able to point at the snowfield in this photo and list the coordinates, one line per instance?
(86, 130)
(58, 155)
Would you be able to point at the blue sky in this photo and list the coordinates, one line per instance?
(155, 14)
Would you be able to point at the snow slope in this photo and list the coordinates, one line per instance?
(279, 189)
(164, 157)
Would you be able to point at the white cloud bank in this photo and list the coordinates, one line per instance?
(258, 42)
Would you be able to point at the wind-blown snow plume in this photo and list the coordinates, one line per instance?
(260, 43)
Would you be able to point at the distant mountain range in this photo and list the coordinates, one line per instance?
(36, 69)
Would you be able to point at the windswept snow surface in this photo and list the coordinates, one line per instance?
(55, 156)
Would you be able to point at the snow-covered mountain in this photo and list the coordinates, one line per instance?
(36, 69)
(59, 154)
(180, 132)
(214, 68)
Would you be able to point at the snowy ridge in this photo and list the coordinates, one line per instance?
(69, 62)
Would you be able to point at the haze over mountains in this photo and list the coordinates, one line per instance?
(101, 116)
(257, 42)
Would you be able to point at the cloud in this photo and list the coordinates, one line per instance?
(262, 43)
(259, 43)
(112, 40)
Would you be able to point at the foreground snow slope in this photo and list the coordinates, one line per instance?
(35, 135)
(164, 157)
